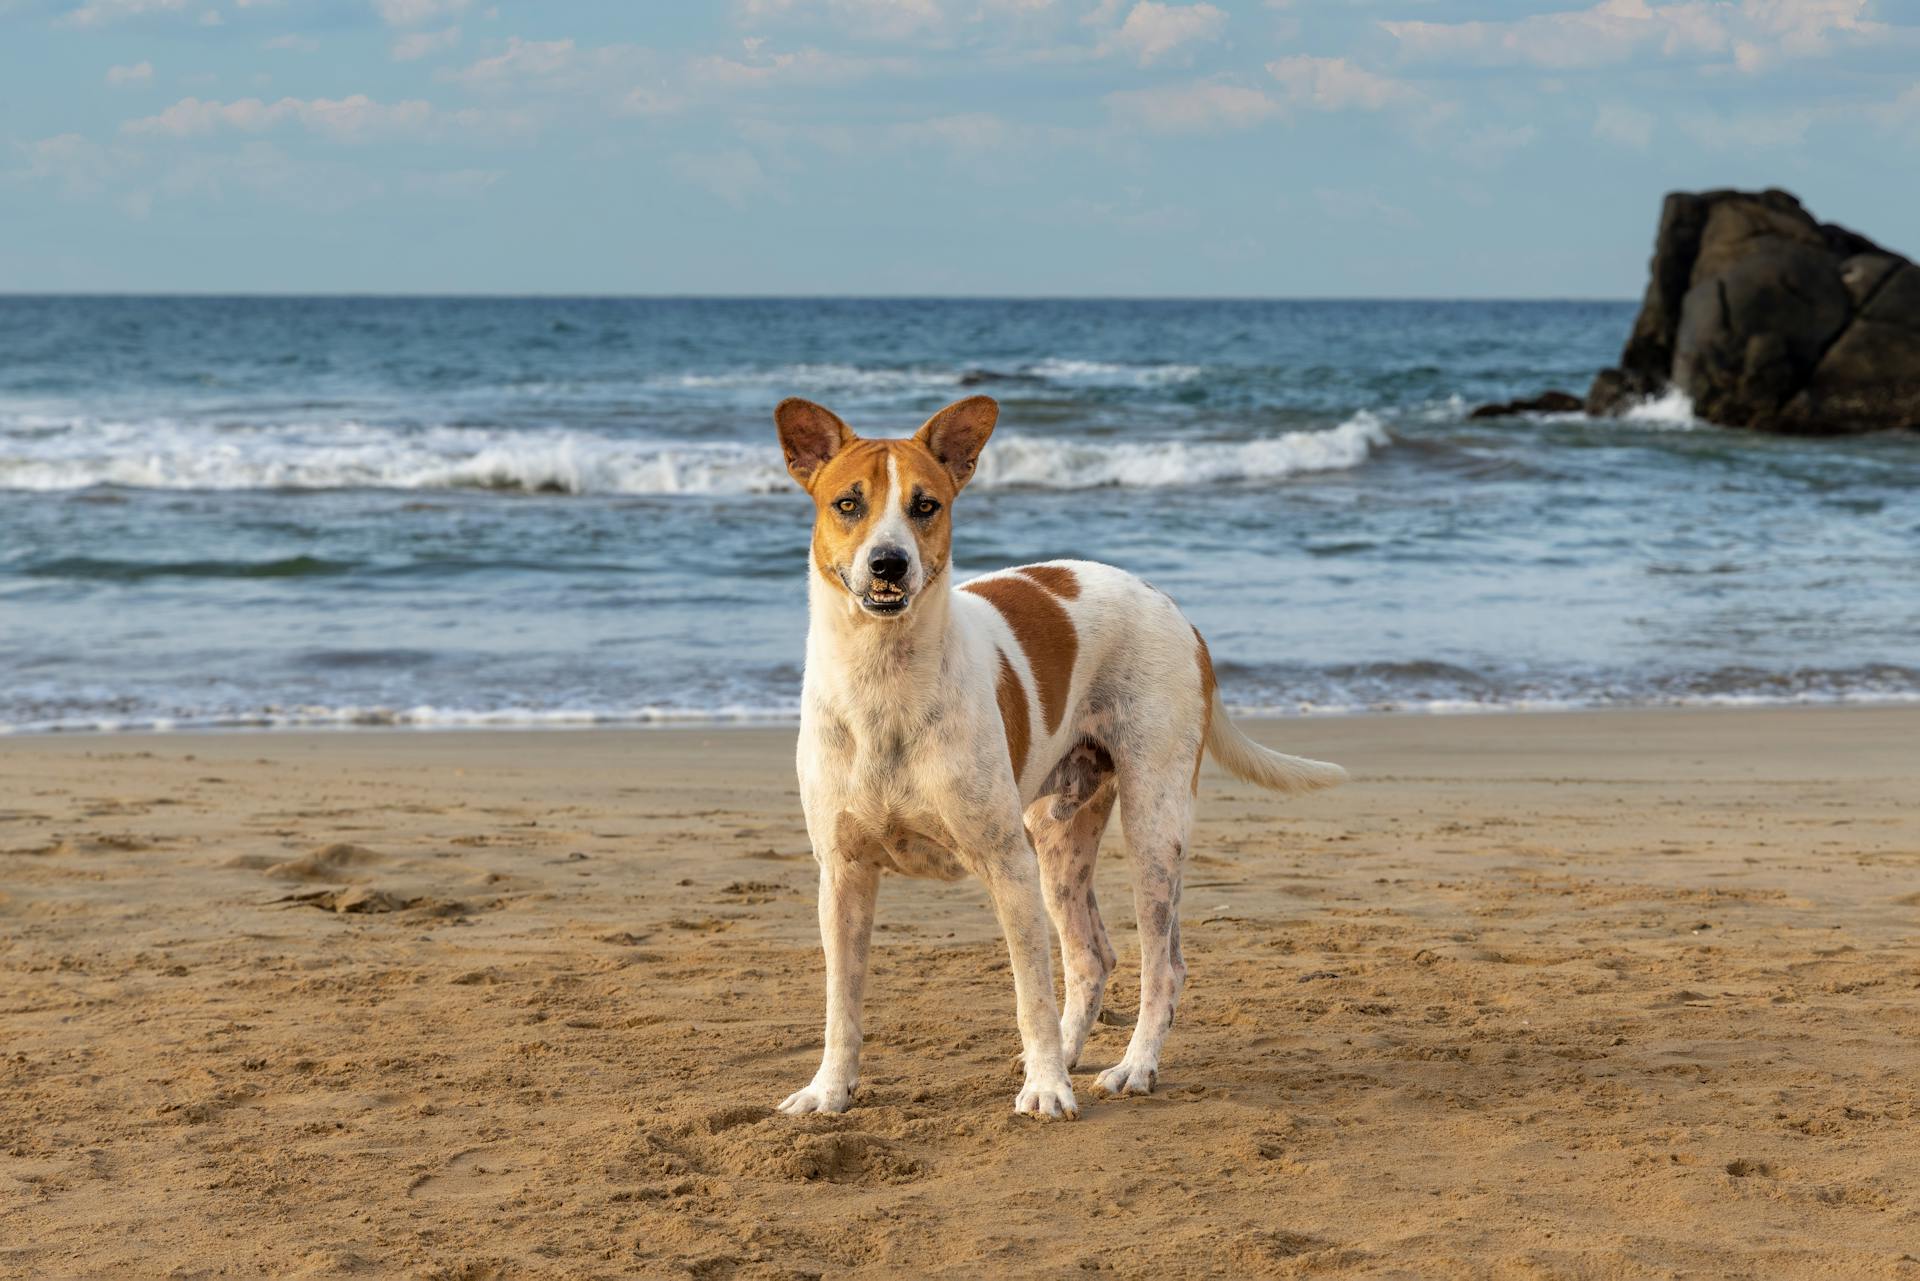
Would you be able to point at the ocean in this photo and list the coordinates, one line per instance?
(262, 512)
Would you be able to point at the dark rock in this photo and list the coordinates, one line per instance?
(977, 377)
(1547, 402)
(1771, 320)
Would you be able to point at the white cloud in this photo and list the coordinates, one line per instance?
(1192, 108)
(887, 19)
(649, 100)
(734, 176)
(1757, 132)
(1363, 206)
(966, 135)
(1626, 126)
(135, 178)
(453, 184)
(299, 44)
(521, 61)
(98, 13)
(1153, 30)
(416, 13)
(139, 73)
(76, 164)
(970, 131)
(864, 19)
(1488, 145)
(416, 45)
(1803, 27)
(803, 66)
(626, 79)
(1751, 34)
(353, 119)
(1334, 84)
(1902, 114)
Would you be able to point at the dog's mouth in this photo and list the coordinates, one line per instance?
(884, 599)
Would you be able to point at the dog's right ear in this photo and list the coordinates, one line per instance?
(810, 435)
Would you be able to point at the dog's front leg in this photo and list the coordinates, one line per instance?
(1012, 876)
(847, 893)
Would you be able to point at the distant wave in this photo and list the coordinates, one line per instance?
(176, 456)
(828, 376)
(1053, 463)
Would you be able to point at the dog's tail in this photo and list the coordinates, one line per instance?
(1243, 758)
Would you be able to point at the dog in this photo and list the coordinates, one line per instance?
(990, 729)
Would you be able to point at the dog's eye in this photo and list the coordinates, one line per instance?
(925, 507)
(848, 505)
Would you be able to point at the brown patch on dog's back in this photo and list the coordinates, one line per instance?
(1057, 579)
(1207, 686)
(1045, 633)
(1012, 697)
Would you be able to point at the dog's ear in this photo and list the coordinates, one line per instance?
(810, 435)
(958, 433)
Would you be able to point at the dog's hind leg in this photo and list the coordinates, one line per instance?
(1157, 812)
(1066, 826)
(1012, 877)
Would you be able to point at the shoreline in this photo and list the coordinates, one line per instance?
(1539, 994)
(565, 722)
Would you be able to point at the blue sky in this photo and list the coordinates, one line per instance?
(1079, 147)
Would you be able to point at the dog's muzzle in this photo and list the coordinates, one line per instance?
(888, 569)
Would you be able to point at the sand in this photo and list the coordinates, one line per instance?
(1612, 994)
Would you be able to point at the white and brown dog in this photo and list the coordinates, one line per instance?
(989, 730)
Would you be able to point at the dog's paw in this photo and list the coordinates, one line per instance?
(1127, 1077)
(819, 1097)
(1053, 1100)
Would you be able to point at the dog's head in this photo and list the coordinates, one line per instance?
(882, 526)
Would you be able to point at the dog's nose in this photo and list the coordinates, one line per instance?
(888, 564)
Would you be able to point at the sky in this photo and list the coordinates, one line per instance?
(1292, 148)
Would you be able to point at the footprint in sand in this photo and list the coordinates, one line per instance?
(477, 1172)
(338, 862)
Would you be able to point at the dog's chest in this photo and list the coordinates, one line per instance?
(876, 782)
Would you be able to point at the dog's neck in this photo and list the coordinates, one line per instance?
(884, 665)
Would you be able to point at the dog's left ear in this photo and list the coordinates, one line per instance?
(958, 433)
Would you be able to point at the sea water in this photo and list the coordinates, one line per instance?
(432, 511)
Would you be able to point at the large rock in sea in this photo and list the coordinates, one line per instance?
(1771, 320)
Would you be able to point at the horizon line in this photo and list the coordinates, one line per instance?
(483, 296)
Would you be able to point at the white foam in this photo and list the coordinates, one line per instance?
(166, 454)
(1672, 410)
(1053, 463)
(814, 377)
(427, 717)
(1090, 372)
(424, 717)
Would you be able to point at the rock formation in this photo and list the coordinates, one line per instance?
(1547, 402)
(1771, 320)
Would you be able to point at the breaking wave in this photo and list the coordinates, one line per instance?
(822, 377)
(176, 456)
(1671, 410)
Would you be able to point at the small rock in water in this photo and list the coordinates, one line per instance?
(1547, 402)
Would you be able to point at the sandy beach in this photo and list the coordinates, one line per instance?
(1601, 994)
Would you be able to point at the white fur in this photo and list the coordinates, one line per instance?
(904, 767)
(891, 530)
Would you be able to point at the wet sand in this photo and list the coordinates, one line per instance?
(1607, 994)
